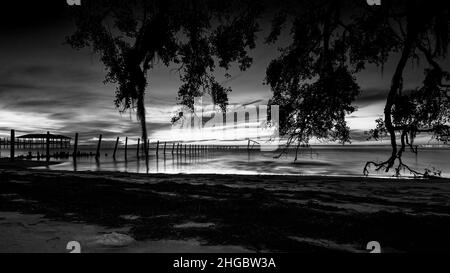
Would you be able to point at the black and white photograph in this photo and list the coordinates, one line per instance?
(235, 127)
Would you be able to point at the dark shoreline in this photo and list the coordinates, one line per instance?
(260, 213)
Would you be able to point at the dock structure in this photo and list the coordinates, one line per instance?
(50, 142)
(40, 140)
(34, 141)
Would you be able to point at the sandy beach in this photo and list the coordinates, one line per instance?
(41, 210)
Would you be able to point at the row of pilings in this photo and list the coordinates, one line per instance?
(161, 148)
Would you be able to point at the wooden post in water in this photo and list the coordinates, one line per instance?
(137, 148)
(165, 148)
(157, 148)
(173, 147)
(11, 145)
(115, 148)
(126, 148)
(47, 147)
(146, 149)
(97, 154)
(75, 146)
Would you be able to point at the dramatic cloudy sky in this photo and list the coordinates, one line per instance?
(46, 85)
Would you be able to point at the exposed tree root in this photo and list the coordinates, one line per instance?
(286, 149)
(389, 164)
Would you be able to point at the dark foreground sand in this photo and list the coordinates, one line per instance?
(122, 212)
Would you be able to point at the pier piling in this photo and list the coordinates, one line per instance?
(126, 148)
(47, 145)
(115, 148)
(137, 148)
(75, 146)
(97, 154)
(12, 144)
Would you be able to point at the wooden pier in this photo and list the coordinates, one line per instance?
(63, 145)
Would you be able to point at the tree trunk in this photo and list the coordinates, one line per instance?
(138, 77)
(142, 119)
(395, 87)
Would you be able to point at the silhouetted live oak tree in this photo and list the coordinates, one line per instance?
(131, 35)
(313, 81)
(218, 33)
(421, 32)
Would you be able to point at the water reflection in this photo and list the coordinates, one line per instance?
(316, 161)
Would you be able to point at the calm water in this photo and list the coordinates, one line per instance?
(316, 161)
